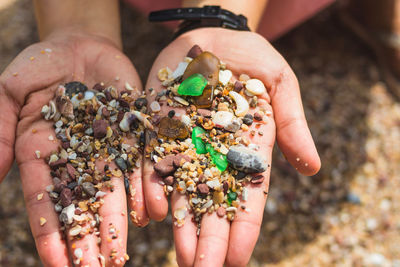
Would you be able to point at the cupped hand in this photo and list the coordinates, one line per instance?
(27, 84)
(219, 241)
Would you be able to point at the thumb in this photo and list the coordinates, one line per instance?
(8, 122)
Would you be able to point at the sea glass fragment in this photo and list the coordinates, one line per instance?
(206, 64)
(193, 85)
(205, 100)
(231, 197)
(172, 128)
(196, 140)
(217, 158)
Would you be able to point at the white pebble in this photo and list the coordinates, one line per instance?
(179, 70)
(225, 76)
(155, 106)
(255, 86)
(78, 253)
(186, 120)
(51, 138)
(128, 86)
(37, 153)
(222, 118)
(76, 230)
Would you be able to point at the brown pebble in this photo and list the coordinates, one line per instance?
(66, 197)
(58, 163)
(180, 159)
(98, 87)
(65, 144)
(165, 166)
(169, 180)
(105, 112)
(71, 170)
(204, 112)
(258, 179)
(155, 119)
(257, 116)
(225, 186)
(203, 189)
(120, 116)
(100, 128)
(238, 86)
(221, 212)
(194, 51)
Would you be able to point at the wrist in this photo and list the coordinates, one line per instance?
(99, 18)
(252, 9)
(77, 34)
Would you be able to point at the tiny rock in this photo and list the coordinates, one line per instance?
(222, 118)
(255, 87)
(221, 212)
(100, 128)
(89, 189)
(165, 166)
(169, 180)
(194, 51)
(203, 189)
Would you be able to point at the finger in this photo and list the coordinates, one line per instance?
(85, 251)
(44, 222)
(293, 135)
(245, 228)
(156, 201)
(185, 236)
(138, 213)
(213, 241)
(8, 122)
(114, 225)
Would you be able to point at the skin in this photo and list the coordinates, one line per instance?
(26, 85)
(220, 241)
(84, 47)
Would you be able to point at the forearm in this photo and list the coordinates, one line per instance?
(100, 17)
(252, 9)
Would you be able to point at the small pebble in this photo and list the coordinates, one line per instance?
(255, 87)
(155, 106)
(42, 221)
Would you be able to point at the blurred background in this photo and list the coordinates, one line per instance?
(347, 215)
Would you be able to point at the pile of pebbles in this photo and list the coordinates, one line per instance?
(93, 127)
(204, 153)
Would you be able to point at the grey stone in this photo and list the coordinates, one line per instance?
(121, 164)
(89, 189)
(246, 160)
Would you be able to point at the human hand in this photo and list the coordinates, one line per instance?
(27, 84)
(219, 241)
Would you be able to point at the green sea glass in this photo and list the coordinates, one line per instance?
(196, 140)
(194, 85)
(231, 197)
(217, 158)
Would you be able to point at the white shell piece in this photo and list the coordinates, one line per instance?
(242, 106)
(225, 76)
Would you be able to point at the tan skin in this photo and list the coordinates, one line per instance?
(220, 242)
(87, 48)
(78, 52)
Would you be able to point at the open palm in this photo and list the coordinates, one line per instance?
(26, 85)
(219, 241)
